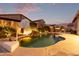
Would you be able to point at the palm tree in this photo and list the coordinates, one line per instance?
(6, 32)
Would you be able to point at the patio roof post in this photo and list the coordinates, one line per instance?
(17, 32)
(16, 35)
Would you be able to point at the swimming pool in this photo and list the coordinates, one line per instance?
(42, 41)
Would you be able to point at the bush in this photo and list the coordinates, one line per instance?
(34, 34)
(26, 40)
(6, 31)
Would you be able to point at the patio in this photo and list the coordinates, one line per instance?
(70, 46)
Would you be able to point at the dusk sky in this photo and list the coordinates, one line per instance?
(52, 13)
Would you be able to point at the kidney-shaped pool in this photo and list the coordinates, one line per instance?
(40, 41)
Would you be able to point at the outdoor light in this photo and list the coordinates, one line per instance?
(27, 32)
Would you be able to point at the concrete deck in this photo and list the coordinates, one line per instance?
(67, 47)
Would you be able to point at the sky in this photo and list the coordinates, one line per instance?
(52, 13)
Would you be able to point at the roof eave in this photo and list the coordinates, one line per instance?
(10, 19)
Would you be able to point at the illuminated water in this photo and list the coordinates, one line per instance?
(42, 41)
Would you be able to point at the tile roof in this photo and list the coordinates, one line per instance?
(13, 17)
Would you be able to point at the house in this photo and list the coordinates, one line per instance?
(52, 27)
(75, 23)
(58, 27)
(14, 21)
(33, 24)
(39, 23)
(65, 27)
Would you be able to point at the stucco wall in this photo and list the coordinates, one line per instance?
(78, 25)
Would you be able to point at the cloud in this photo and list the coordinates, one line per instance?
(26, 8)
(23, 8)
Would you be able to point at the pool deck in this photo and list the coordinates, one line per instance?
(67, 47)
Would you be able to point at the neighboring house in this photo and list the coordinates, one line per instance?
(13, 20)
(39, 23)
(57, 28)
(70, 27)
(33, 24)
(52, 28)
(75, 23)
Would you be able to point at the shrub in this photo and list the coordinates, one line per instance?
(34, 34)
(26, 40)
(6, 31)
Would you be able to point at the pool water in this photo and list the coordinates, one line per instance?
(42, 41)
